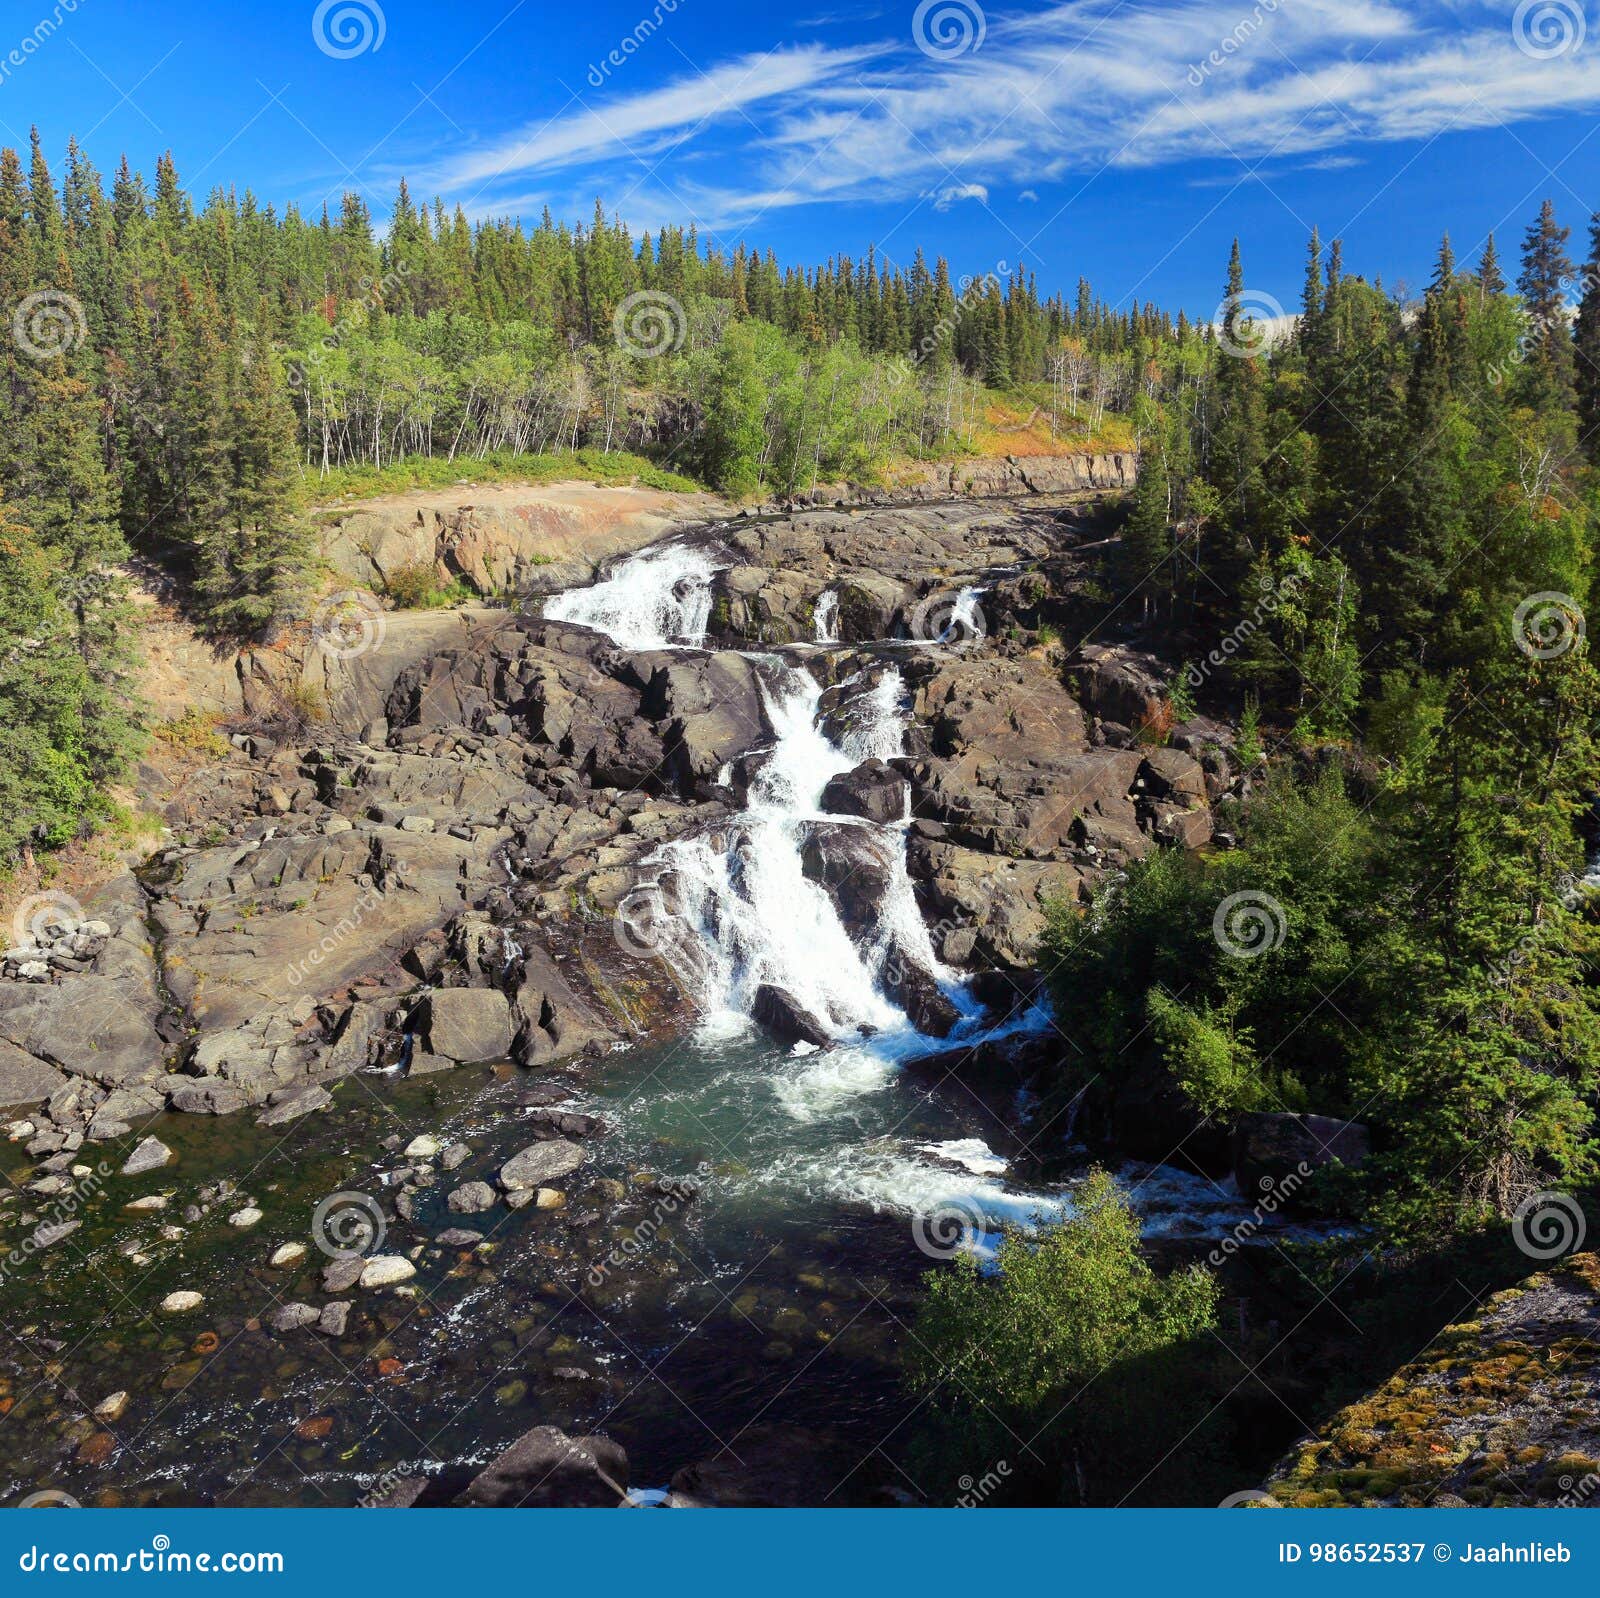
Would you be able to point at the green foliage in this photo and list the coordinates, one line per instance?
(1213, 971)
(1071, 1344)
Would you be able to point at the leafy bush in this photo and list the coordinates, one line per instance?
(1075, 1351)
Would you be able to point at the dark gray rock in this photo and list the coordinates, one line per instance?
(1276, 1154)
(545, 1468)
(471, 1198)
(873, 790)
(786, 1018)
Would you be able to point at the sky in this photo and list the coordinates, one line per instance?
(1123, 141)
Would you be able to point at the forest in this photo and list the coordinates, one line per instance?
(1365, 534)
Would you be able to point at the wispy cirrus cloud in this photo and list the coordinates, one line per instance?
(1050, 96)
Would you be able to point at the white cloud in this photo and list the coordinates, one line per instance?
(1055, 96)
(1027, 194)
(944, 198)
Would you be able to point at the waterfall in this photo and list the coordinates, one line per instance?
(756, 915)
(966, 620)
(827, 613)
(748, 913)
(654, 599)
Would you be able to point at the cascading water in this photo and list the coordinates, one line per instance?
(966, 620)
(655, 599)
(757, 916)
(827, 613)
(750, 916)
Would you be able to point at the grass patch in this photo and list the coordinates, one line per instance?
(432, 471)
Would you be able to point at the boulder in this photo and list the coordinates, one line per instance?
(149, 1155)
(467, 1024)
(545, 1468)
(471, 1198)
(384, 1270)
(295, 1105)
(916, 990)
(540, 1164)
(786, 1018)
(291, 1317)
(24, 1079)
(335, 1317)
(873, 790)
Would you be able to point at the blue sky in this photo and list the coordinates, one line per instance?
(1125, 141)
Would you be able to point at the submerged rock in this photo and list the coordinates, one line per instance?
(384, 1270)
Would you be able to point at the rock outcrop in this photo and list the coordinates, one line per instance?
(1498, 1410)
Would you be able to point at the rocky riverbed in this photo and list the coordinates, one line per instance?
(474, 976)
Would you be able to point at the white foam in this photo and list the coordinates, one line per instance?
(971, 1152)
(656, 599)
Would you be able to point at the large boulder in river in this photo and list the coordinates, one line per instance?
(786, 1018)
(916, 990)
(873, 790)
(546, 1469)
(467, 1024)
(540, 1164)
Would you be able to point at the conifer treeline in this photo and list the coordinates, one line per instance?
(1377, 533)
